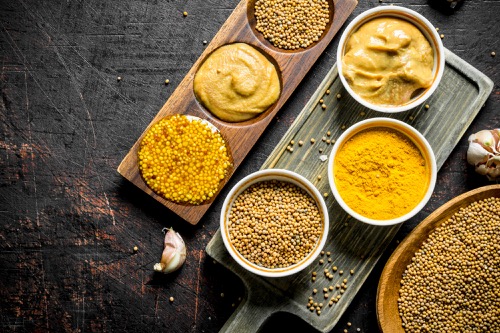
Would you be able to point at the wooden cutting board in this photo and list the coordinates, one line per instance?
(354, 245)
(240, 137)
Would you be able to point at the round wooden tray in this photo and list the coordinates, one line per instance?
(389, 284)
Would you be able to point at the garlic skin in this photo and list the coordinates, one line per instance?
(484, 153)
(174, 253)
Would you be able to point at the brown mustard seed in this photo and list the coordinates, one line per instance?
(183, 159)
(274, 224)
(289, 24)
(453, 281)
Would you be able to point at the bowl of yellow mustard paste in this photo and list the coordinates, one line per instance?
(237, 82)
(390, 59)
(382, 171)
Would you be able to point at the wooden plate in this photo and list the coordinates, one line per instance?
(389, 284)
(240, 137)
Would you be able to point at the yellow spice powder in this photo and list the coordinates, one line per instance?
(380, 173)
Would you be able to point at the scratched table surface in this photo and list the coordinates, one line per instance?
(69, 221)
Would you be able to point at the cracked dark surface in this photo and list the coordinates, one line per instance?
(69, 222)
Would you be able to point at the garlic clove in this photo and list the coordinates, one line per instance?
(476, 154)
(486, 139)
(174, 253)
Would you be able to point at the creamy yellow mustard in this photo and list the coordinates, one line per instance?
(387, 61)
(237, 83)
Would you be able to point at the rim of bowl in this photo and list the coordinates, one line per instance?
(276, 174)
(427, 29)
(415, 136)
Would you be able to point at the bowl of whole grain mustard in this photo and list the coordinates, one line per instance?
(390, 59)
(382, 171)
(274, 222)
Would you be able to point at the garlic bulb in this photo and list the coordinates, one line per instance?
(484, 153)
(174, 253)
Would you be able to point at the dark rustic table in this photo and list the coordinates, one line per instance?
(69, 222)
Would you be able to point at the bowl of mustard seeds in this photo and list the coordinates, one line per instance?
(382, 171)
(274, 222)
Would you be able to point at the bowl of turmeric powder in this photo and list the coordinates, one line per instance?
(382, 171)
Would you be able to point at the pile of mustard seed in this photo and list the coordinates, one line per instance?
(274, 224)
(291, 24)
(453, 282)
(183, 159)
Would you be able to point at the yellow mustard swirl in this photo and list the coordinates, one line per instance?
(237, 83)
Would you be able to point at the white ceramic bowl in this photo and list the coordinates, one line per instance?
(427, 30)
(280, 175)
(414, 135)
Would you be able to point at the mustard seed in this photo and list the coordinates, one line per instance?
(171, 299)
(442, 36)
(135, 249)
(185, 14)
(339, 96)
(183, 159)
(327, 92)
(167, 81)
(323, 106)
(427, 106)
(313, 140)
(274, 224)
(301, 143)
(493, 53)
(452, 283)
(291, 25)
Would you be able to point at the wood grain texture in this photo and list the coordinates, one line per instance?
(69, 221)
(353, 244)
(240, 137)
(390, 280)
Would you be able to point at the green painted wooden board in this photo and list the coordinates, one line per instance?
(354, 245)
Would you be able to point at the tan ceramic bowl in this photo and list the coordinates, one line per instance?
(427, 30)
(408, 131)
(280, 175)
